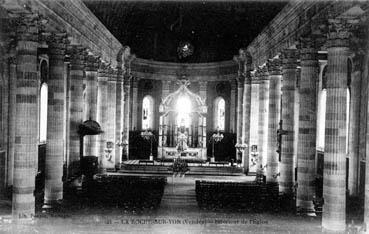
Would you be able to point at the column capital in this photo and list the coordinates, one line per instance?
(289, 59)
(27, 27)
(57, 43)
(340, 31)
(111, 73)
(103, 69)
(244, 61)
(261, 74)
(274, 66)
(77, 55)
(92, 62)
(308, 52)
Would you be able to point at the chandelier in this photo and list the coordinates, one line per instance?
(184, 49)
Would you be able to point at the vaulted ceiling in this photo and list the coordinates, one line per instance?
(155, 29)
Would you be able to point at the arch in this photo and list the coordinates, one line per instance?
(148, 104)
(219, 114)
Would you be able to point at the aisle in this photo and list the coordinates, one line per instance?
(179, 195)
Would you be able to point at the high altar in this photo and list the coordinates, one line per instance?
(182, 125)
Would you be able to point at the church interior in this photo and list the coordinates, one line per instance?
(184, 117)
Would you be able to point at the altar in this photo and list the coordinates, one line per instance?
(190, 155)
(182, 125)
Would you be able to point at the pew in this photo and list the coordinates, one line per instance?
(128, 192)
(236, 195)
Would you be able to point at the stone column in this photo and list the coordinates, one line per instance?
(127, 94)
(25, 147)
(232, 119)
(164, 93)
(92, 64)
(199, 135)
(306, 145)
(55, 122)
(135, 81)
(119, 115)
(77, 65)
(12, 116)
(102, 115)
(334, 177)
(161, 124)
(289, 70)
(246, 111)
(202, 134)
(354, 124)
(128, 58)
(263, 78)
(275, 78)
(112, 158)
(240, 85)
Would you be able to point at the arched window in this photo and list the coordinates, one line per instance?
(219, 113)
(321, 119)
(348, 96)
(348, 100)
(322, 103)
(147, 113)
(183, 108)
(43, 102)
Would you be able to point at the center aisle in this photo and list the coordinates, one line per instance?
(179, 195)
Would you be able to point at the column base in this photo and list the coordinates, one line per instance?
(51, 206)
(305, 212)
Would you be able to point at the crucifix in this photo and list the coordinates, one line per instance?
(280, 133)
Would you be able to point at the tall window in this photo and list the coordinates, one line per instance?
(347, 119)
(322, 103)
(219, 113)
(321, 119)
(322, 113)
(183, 108)
(147, 113)
(43, 102)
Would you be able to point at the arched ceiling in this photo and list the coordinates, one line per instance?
(154, 29)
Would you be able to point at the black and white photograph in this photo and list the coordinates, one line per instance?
(184, 116)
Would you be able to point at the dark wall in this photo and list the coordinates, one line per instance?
(223, 150)
(139, 148)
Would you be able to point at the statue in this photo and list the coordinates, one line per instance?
(182, 140)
